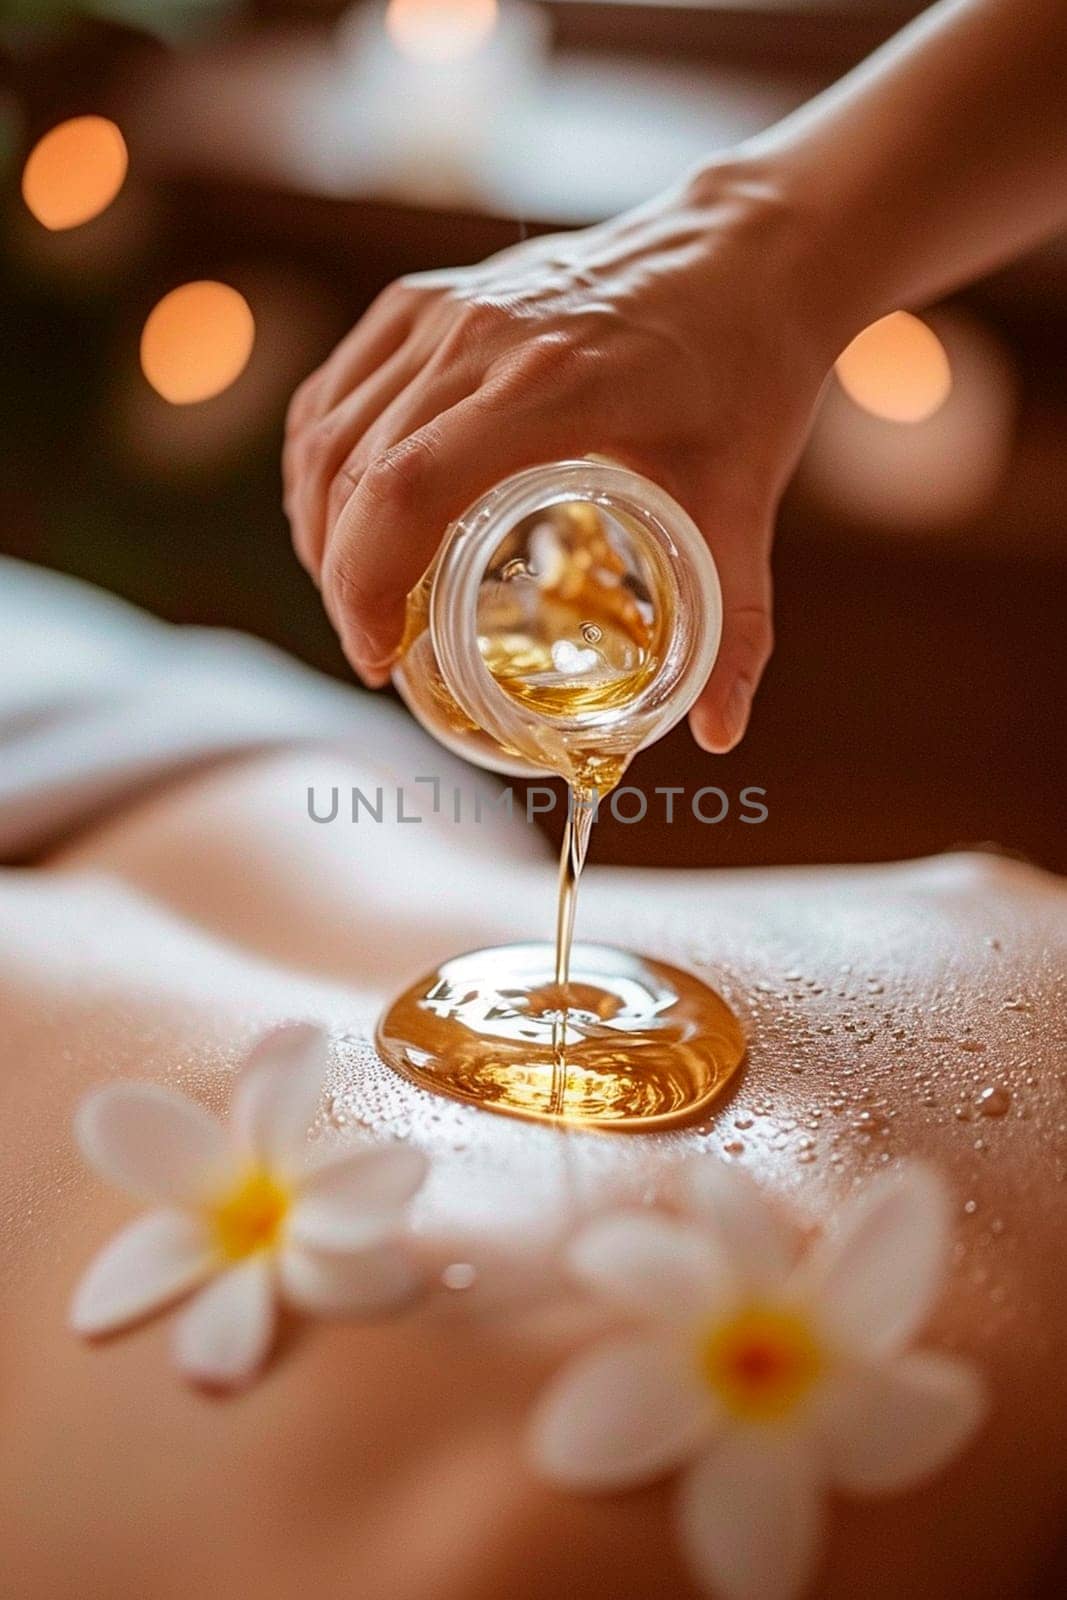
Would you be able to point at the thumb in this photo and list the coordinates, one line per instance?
(720, 716)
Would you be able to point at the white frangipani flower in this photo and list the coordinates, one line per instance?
(244, 1218)
(767, 1379)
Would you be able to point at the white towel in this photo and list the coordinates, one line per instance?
(98, 701)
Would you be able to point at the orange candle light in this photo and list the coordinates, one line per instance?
(74, 172)
(197, 342)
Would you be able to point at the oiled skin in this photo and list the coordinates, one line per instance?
(384, 1460)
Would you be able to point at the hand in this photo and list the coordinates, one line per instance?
(683, 340)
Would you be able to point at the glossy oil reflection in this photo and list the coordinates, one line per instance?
(627, 1043)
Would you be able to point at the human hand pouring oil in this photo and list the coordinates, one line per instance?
(571, 617)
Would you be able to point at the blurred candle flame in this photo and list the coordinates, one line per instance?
(197, 342)
(896, 369)
(440, 31)
(74, 172)
(956, 385)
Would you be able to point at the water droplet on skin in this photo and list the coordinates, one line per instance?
(994, 1101)
(743, 1122)
(994, 944)
(460, 1275)
(970, 1207)
(1015, 1004)
(962, 1113)
(734, 1147)
(972, 1045)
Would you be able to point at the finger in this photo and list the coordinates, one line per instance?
(391, 524)
(434, 391)
(378, 334)
(736, 517)
(720, 716)
(301, 404)
(312, 459)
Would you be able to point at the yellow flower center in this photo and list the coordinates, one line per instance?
(250, 1217)
(761, 1362)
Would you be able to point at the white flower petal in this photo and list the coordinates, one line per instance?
(874, 1280)
(151, 1262)
(353, 1285)
(887, 1427)
(624, 1413)
(152, 1142)
(376, 1178)
(317, 1225)
(757, 1236)
(751, 1515)
(224, 1336)
(278, 1093)
(653, 1266)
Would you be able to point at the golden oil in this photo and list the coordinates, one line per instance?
(570, 618)
(566, 628)
(629, 1045)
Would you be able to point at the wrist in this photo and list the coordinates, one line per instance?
(802, 244)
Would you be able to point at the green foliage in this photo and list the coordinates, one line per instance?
(168, 19)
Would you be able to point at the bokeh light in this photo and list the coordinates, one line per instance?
(942, 471)
(896, 369)
(440, 30)
(197, 342)
(74, 172)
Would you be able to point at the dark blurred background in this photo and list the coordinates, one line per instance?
(304, 153)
